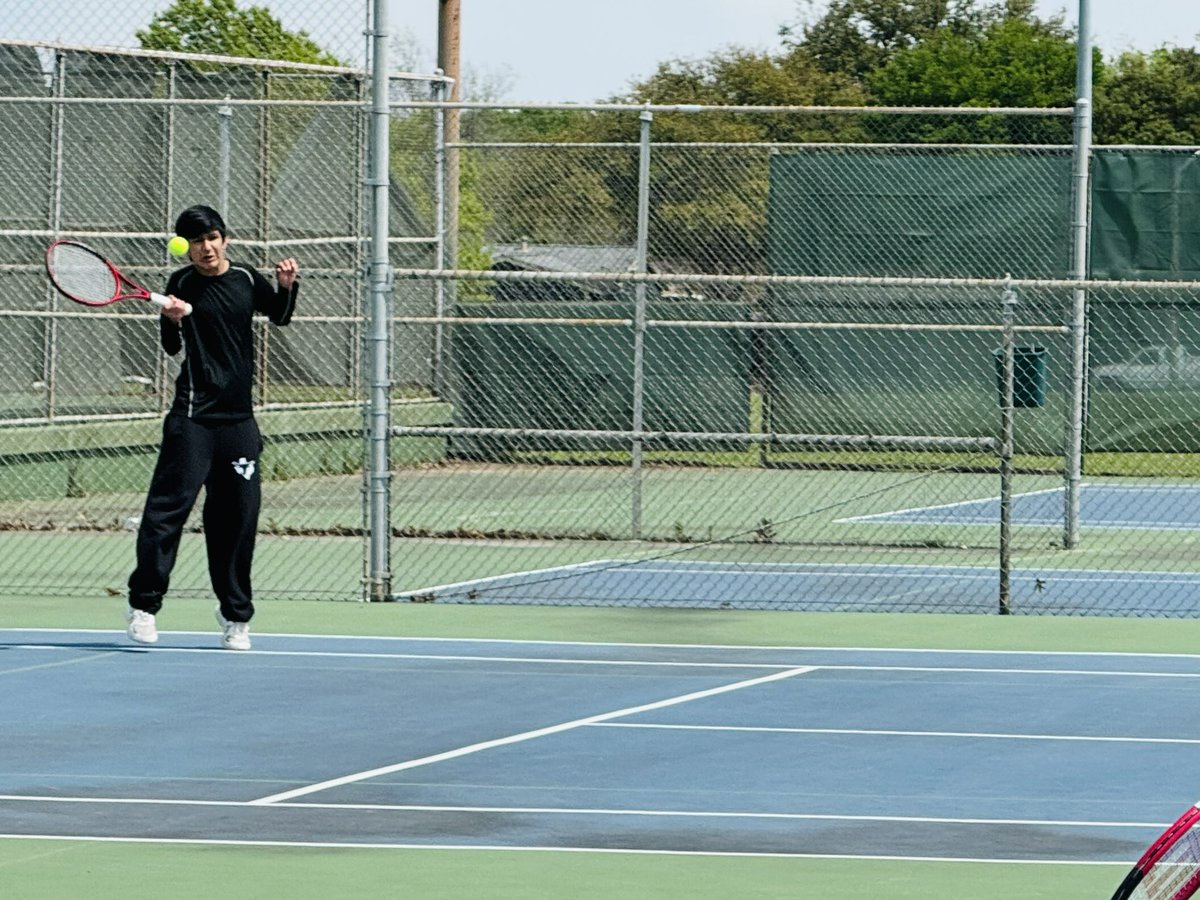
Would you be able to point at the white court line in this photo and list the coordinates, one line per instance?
(491, 848)
(1007, 671)
(536, 642)
(1142, 488)
(634, 663)
(920, 515)
(869, 517)
(62, 662)
(930, 573)
(887, 732)
(698, 664)
(582, 567)
(1058, 576)
(434, 657)
(527, 735)
(586, 811)
(1045, 522)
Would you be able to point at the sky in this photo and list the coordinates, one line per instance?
(556, 50)
(567, 50)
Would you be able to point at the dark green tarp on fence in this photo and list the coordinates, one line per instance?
(580, 377)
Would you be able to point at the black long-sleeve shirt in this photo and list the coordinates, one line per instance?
(216, 380)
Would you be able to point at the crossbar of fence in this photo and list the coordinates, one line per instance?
(999, 284)
(830, 441)
(718, 324)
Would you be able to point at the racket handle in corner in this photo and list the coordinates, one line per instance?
(163, 301)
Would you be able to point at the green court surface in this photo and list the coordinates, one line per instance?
(49, 870)
(39, 868)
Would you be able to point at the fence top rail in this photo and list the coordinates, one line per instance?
(973, 112)
(816, 280)
(249, 61)
(769, 146)
(1190, 149)
(964, 111)
(185, 102)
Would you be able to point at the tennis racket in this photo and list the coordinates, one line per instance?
(1170, 869)
(81, 274)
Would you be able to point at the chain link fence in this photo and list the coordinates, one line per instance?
(727, 358)
(817, 421)
(112, 145)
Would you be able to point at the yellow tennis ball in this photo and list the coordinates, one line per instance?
(177, 246)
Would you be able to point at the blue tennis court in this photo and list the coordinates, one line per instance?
(791, 751)
(1157, 507)
(831, 587)
(1040, 583)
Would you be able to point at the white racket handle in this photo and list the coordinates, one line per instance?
(165, 301)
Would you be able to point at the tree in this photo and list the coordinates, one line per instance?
(855, 37)
(1016, 61)
(1150, 98)
(716, 224)
(220, 27)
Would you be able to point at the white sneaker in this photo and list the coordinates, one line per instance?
(236, 635)
(141, 626)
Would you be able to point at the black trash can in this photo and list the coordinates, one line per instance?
(1029, 376)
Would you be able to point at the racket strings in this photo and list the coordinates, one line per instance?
(1175, 875)
(83, 275)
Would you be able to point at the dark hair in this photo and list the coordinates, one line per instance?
(197, 220)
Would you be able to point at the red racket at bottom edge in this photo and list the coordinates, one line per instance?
(81, 274)
(1170, 868)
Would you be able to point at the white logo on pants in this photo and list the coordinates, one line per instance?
(244, 467)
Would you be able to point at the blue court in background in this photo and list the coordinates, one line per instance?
(1158, 507)
(831, 587)
(679, 581)
(676, 580)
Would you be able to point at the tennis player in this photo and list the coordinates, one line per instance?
(210, 438)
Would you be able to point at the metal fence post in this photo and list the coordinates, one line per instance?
(1073, 474)
(1008, 303)
(440, 94)
(379, 532)
(639, 322)
(225, 143)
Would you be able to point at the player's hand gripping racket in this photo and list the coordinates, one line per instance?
(83, 275)
(1170, 869)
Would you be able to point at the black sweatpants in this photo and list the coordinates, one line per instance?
(223, 459)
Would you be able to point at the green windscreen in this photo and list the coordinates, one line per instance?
(978, 212)
(580, 376)
(940, 213)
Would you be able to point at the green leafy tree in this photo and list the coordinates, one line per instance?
(855, 37)
(695, 221)
(1013, 62)
(221, 27)
(1018, 61)
(716, 224)
(1150, 98)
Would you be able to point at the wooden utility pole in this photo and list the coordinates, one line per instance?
(449, 32)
